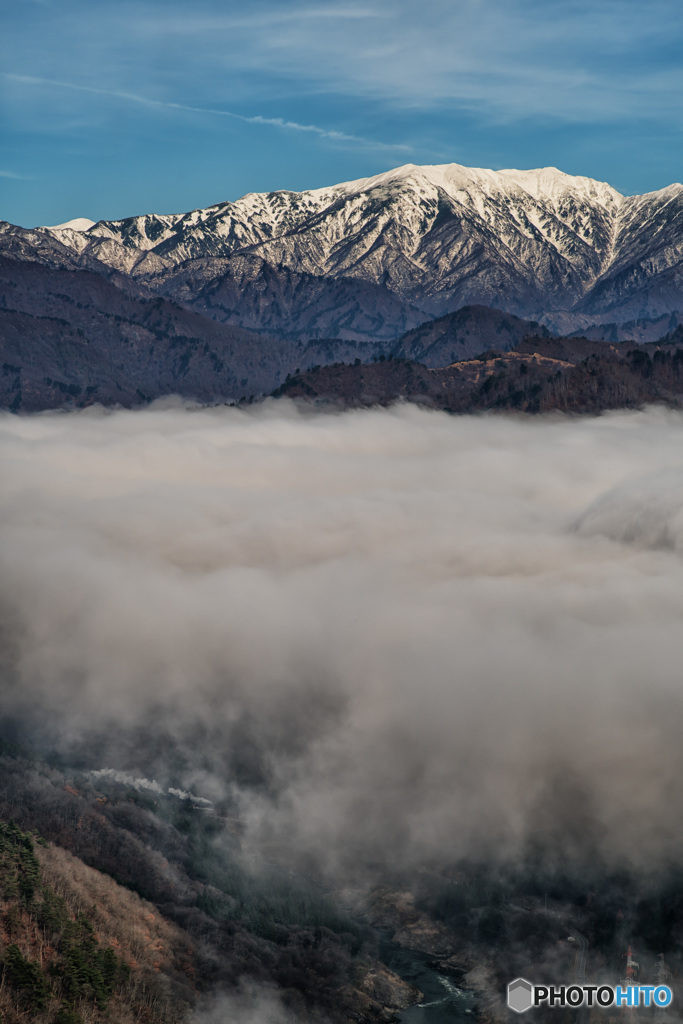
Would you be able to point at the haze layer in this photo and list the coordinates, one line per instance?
(385, 637)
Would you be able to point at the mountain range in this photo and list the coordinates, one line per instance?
(422, 240)
(223, 302)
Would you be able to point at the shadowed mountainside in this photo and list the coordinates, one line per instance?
(74, 337)
(70, 338)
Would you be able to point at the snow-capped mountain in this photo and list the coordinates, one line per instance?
(429, 263)
(422, 240)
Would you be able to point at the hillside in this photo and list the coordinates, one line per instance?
(121, 907)
(463, 334)
(77, 946)
(539, 375)
(73, 337)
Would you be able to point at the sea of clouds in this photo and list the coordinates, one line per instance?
(387, 637)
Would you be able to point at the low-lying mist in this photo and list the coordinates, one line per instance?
(384, 638)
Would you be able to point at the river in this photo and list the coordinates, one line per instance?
(443, 1001)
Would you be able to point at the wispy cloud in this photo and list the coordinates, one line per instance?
(274, 122)
(15, 177)
(505, 59)
(198, 22)
(581, 60)
(300, 93)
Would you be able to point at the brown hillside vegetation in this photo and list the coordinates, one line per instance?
(77, 947)
(159, 954)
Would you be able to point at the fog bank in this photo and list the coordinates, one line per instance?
(388, 637)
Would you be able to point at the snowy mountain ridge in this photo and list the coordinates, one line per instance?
(427, 239)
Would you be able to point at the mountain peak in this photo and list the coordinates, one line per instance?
(77, 224)
(539, 183)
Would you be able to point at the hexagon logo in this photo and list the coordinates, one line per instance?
(520, 995)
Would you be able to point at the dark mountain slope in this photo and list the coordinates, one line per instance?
(70, 338)
(73, 337)
(641, 330)
(73, 333)
(541, 375)
(249, 291)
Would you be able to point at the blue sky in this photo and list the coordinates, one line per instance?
(111, 108)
